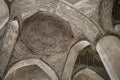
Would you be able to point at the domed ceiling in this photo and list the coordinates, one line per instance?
(46, 32)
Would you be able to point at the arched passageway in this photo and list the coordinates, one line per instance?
(82, 56)
(88, 58)
(31, 72)
(26, 69)
(87, 74)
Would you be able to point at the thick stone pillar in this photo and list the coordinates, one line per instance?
(8, 45)
(109, 50)
(4, 13)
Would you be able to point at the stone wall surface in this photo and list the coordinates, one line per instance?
(54, 32)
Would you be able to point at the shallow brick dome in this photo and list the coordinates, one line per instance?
(46, 32)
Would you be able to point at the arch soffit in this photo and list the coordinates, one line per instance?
(71, 59)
